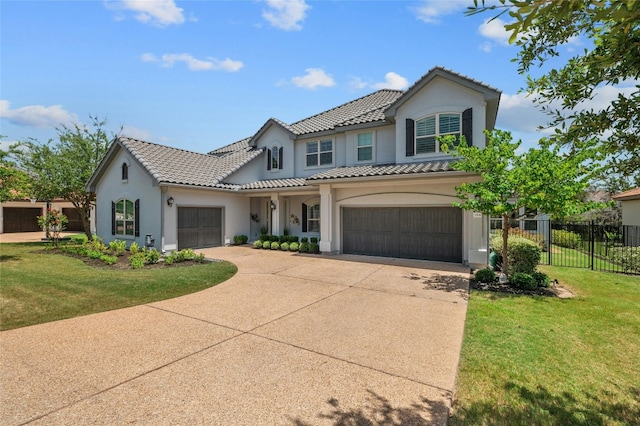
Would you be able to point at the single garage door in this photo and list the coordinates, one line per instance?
(75, 221)
(199, 227)
(429, 233)
(21, 219)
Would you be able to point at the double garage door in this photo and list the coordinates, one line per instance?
(199, 227)
(429, 233)
(21, 219)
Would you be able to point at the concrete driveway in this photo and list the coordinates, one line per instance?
(290, 339)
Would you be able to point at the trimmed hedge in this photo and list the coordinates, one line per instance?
(523, 255)
(485, 275)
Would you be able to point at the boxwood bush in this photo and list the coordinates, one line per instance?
(523, 281)
(294, 246)
(275, 245)
(314, 248)
(266, 244)
(257, 244)
(284, 246)
(485, 275)
(293, 238)
(304, 246)
(627, 257)
(566, 238)
(313, 240)
(542, 279)
(523, 255)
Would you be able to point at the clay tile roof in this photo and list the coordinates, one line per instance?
(383, 170)
(632, 194)
(177, 166)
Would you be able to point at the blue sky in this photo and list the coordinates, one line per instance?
(201, 74)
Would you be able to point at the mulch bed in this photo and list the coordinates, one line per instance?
(554, 291)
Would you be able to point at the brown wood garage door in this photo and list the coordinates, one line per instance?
(429, 233)
(21, 219)
(75, 221)
(199, 227)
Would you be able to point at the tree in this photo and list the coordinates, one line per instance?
(613, 27)
(541, 178)
(61, 169)
(14, 183)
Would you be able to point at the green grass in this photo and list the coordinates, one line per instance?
(571, 257)
(547, 361)
(37, 287)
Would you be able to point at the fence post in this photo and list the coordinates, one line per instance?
(592, 243)
(549, 241)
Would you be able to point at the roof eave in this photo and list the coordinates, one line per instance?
(442, 173)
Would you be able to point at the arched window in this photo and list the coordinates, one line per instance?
(125, 171)
(274, 158)
(125, 217)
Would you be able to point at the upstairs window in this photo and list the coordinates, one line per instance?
(365, 146)
(320, 153)
(274, 158)
(125, 171)
(429, 128)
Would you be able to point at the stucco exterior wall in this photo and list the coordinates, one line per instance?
(437, 97)
(140, 186)
(631, 212)
(384, 146)
(339, 155)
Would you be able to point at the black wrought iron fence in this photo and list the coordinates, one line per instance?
(600, 247)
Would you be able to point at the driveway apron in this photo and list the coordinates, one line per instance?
(290, 339)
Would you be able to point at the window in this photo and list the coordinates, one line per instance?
(320, 153)
(365, 146)
(428, 128)
(125, 171)
(274, 158)
(313, 218)
(125, 217)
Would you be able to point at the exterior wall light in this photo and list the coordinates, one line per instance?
(170, 201)
(273, 205)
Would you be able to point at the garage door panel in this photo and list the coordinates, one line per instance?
(433, 233)
(21, 219)
(199, 227)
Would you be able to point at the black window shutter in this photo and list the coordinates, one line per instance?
(137, 218)
(113, 218)
(268, 159)
(409, 137)
(304, 217)
(280, 158)
(467, 125)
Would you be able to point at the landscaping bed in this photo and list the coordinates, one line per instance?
(555, 290)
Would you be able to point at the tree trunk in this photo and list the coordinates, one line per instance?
(505, 239)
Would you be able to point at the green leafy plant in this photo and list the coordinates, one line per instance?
(313, 240)
(523, 255)
(304, 240)
(565, 238)
(257, 244)
(542, 279)
(118, 247)
(304, 246)
(485, 275)
(284, 246)
(134, 248)
(275, 245)
(137, 260)
(151, 256)
(266, 244)
(240, 239)
(293, 238)
(628, 257)
(264, 237)
(314, 248)
(294, 246)
(54, 222)
(284, 238)
(109, 260)
(523, 281)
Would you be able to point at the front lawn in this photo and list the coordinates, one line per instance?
(38, 287)
(548, 361)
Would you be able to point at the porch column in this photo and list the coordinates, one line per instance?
(326, 218)
(276, 220)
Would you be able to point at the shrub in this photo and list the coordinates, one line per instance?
(541, 279)
(96, 244)
(94, 254)
(274, 238)
(284, 246)
(118, 247)
(304, 240)
(314, 248)
(518, 232)
(627, 257)
(566, 238)
(109, 260)
(313, 240)
(304, 247)
(151, 256)
(294, 246)
(523, 281)
(284, 239)
(523, 255)
(137, 260)
(266, 244)
(134, 248)
(293, 238)
(275, 245)
(240, 239)
(485, 275)
(257, 244)
(264, 237)
(199, 258)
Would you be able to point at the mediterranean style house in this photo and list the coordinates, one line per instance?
(366, 177)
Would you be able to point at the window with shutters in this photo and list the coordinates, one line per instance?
(274, 158)
(365, 146)
(429, 128)
(125, 218)
(320, 153)
(313, 218)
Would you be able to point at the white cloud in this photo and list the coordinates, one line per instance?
(392, 81)
(209, 64)
(431, 10)
(314, 77)
(155, 12)
(486, 47)
(494, 30)
(356, 83)
(286, 14)
(37, 115)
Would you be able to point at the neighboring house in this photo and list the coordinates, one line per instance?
(366, 177)
(22, 216)
(630, 201)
